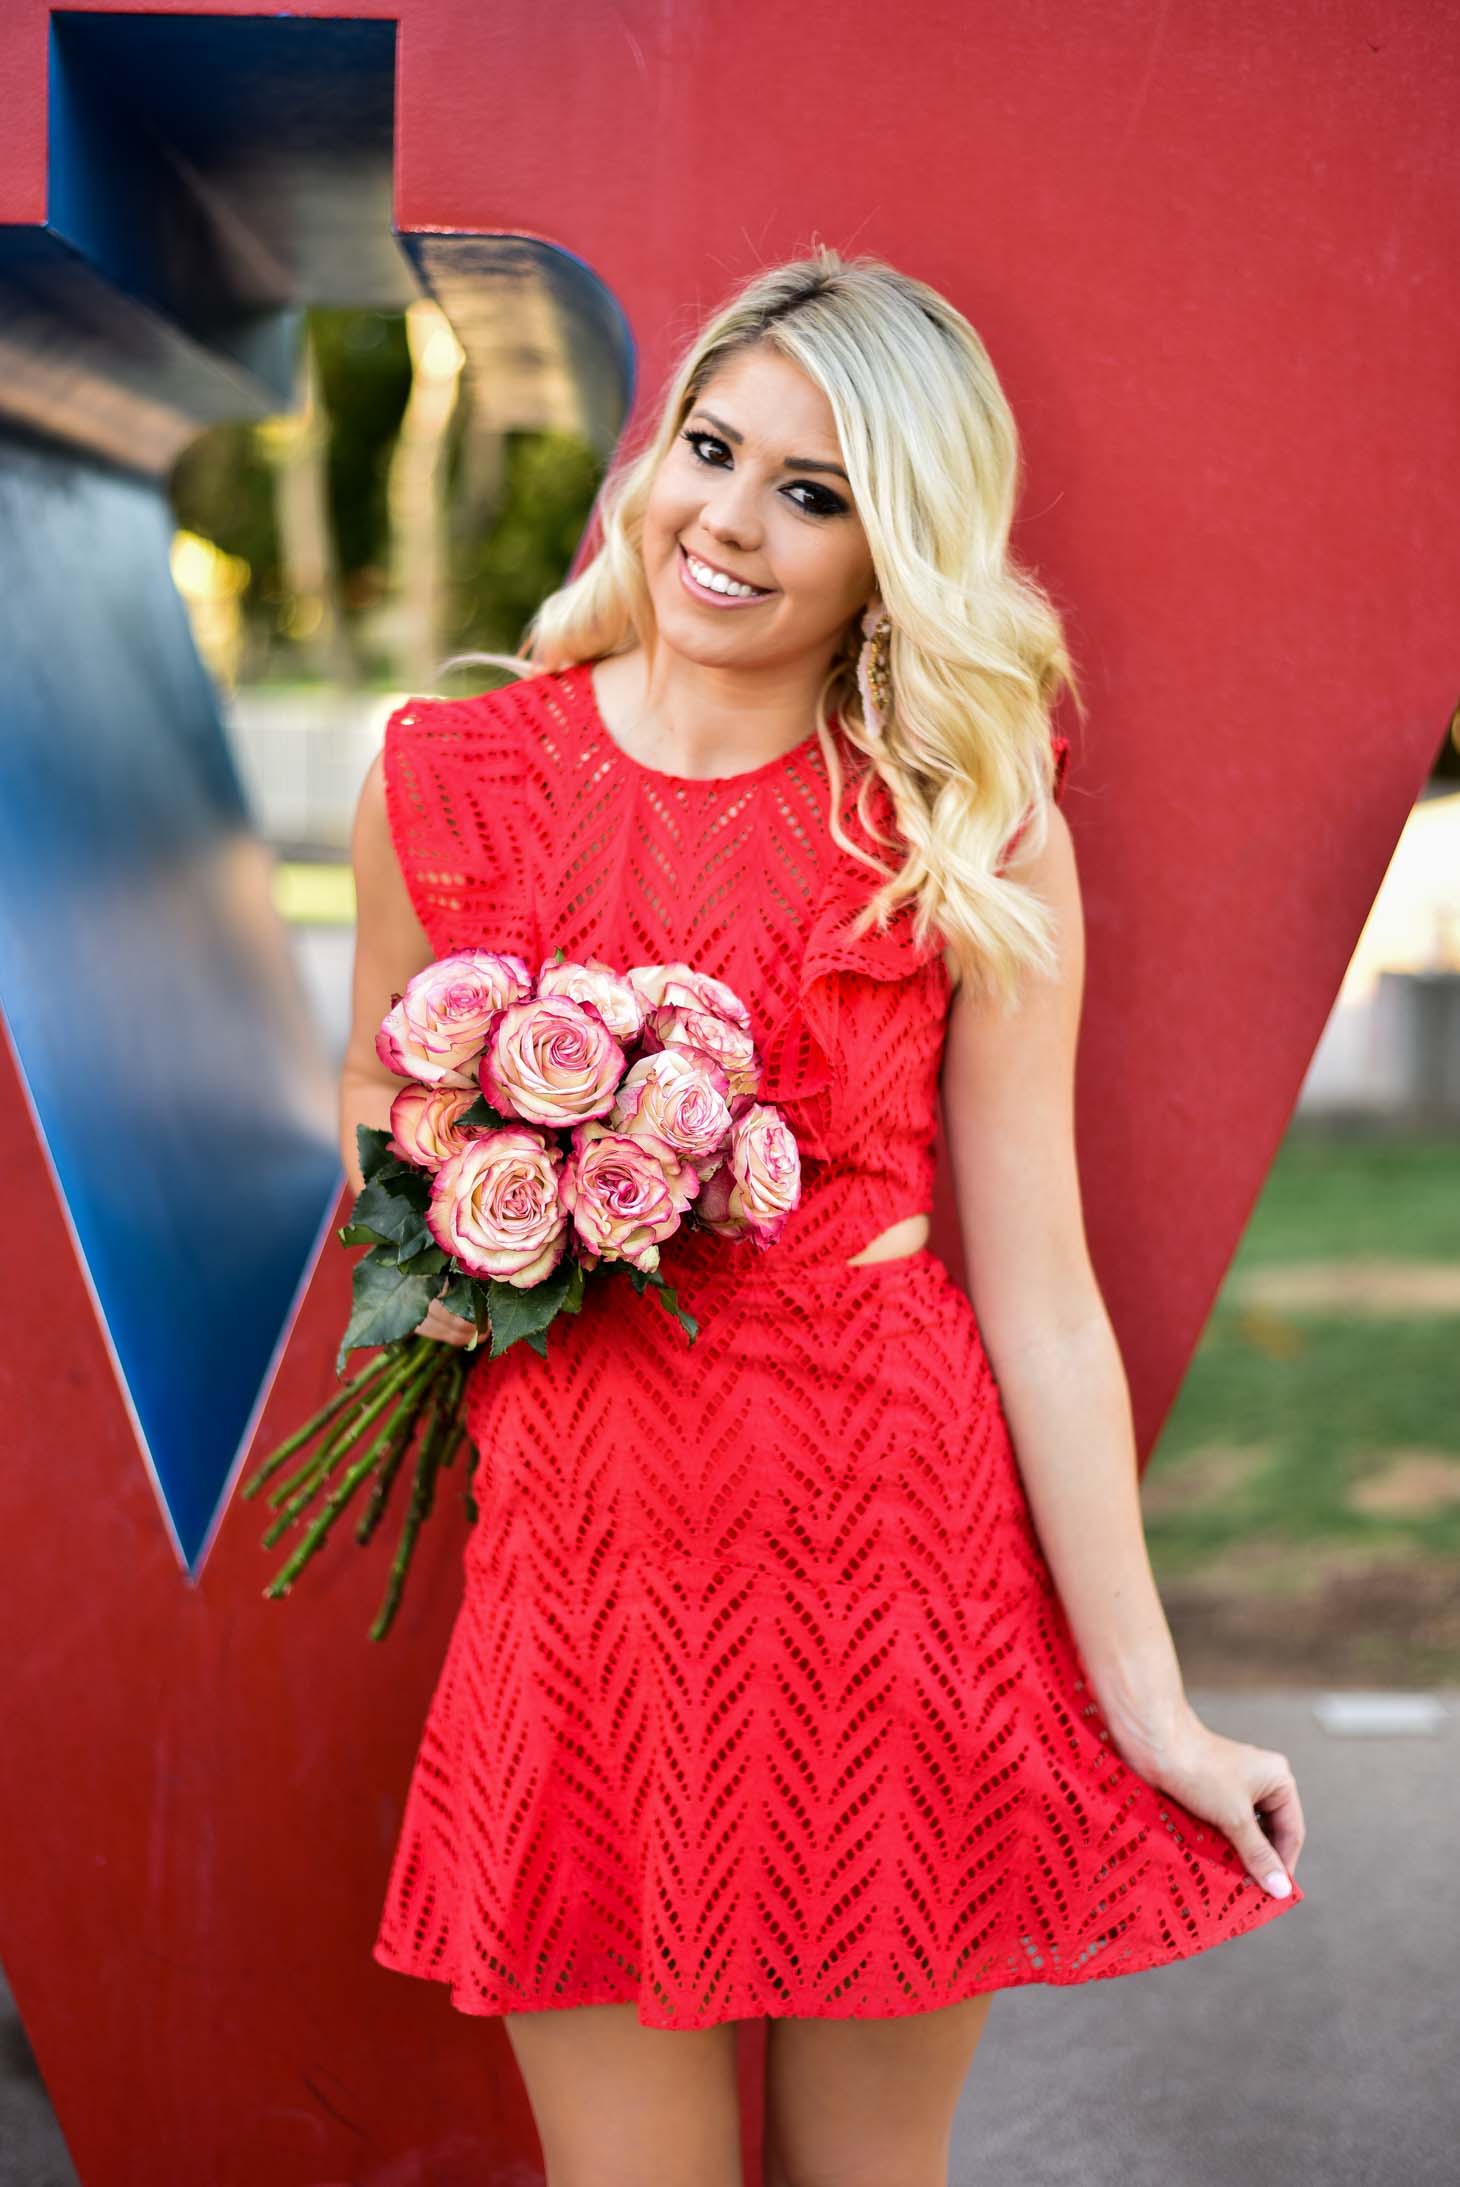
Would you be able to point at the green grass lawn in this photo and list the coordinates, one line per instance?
(1332, 1193)
(1309, 1472)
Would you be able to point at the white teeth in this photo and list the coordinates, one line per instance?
(714, 582)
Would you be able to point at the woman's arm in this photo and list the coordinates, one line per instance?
(391, 946)
(1008, 1097)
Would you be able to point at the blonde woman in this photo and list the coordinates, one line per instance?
(816, 1670)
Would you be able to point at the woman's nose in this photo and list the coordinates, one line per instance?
(730, 514)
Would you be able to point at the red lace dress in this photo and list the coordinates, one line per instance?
(760, 1699)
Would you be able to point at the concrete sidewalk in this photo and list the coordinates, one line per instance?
(1323, 2051)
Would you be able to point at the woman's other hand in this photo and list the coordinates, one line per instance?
(446, 1327)
(1238, 1788)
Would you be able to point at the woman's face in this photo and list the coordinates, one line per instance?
(754, 486)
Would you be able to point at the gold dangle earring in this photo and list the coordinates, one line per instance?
(874, 671)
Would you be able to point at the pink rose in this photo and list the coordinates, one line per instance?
(496, 1206)
(676, 1097)
(423, 1123)
(596, 982)
(551, 1061)
(438, 1027)
(758, 1185)
(712, 1206)
(676, 984)
(677, 1025)
(625, 1195)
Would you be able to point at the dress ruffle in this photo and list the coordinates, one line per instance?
(805, 1055)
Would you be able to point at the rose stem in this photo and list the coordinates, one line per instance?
(374, 1510)
(312, 1427)
(460, 1372)
(407, 1370)
(420, 1504)
(407, 1410)
(286, 1575)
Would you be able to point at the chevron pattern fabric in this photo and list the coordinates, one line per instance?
(760, 1698)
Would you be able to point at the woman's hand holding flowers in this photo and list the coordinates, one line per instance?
(544, 1128)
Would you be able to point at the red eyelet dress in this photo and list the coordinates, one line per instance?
(760, 1699)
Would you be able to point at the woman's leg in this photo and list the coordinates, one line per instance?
(867, 2103)
(621, 2105)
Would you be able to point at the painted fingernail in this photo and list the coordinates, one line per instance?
(1278, 1884)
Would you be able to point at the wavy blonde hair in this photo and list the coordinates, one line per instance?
(978, 656)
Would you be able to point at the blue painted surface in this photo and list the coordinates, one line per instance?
(146, 979)
(182, 1091)
(205, 178)
(289, 122)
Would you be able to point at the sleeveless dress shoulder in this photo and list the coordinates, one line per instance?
(760, 1698)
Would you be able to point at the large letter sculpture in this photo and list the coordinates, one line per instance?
(1215, 267)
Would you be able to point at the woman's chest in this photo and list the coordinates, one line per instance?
(751, 887)
(726, 882)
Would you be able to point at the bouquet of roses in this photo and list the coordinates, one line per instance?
(546, 1131)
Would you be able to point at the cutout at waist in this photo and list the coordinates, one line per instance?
(909, 1235)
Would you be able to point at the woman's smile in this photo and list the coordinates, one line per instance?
(688, 563)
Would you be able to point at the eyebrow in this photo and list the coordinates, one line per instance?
(792, 463)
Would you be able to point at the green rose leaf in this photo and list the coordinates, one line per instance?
(387, 1303)
(482, 1113)
(525, 1312)
(357, 1234)
(372, 1146)
(422, 1251)
(669, 1300)
(643, 1278)
(395, 1212)
(467, 1295)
